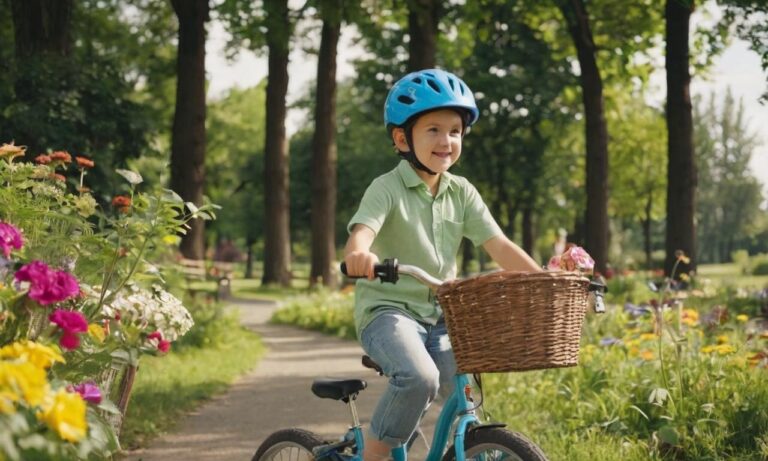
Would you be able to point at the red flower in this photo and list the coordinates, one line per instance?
(47, 286)
(122, 203)
(163, 345)
(61, 156)
(71, 324)
(83, 162)
(43, 159)
(10, 239)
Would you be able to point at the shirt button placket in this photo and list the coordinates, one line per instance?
(437, 221)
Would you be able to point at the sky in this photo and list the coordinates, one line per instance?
(737, 68)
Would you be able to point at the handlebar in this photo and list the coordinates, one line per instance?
(389, 271)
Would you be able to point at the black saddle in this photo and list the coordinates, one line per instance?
(338, 389)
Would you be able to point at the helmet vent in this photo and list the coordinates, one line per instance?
(433, 85)
(406, 99)
(461, 87)
(417, 80)
(450, 82)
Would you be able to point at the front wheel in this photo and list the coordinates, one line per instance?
(495, 444)
(288, 445)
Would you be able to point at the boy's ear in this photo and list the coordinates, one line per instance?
(398, 137)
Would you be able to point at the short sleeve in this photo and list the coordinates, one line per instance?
(479, 225)
(373, 208)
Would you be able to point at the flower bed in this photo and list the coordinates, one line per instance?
(79, 303)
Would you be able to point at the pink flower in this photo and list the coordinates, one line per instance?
(47, 285)
(89, 392)
(582, 259)
(71, 323)
(163, 345)
(554, 263)
(10, 238)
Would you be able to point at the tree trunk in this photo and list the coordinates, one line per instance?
(42, 27)
(681, 169)
(527, 229)
(511, 217)
(324, 159)
(43, 41)
(277, 240)
(423, 18)
(596, 229)
(647, 232)
(188, 133)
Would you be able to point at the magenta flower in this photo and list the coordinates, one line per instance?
(71, 324)
(10, 238)
(554, 263)
(47, 285)
(89, 392)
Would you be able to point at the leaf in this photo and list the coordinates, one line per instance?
(192, 207)
(172, 196)
(668, 434)
(109, 407)
(131, 176)
(634, 407)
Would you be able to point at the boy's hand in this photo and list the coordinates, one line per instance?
(360, 264)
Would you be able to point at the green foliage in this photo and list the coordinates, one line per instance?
(327, 312)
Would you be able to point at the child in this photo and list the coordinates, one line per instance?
(418, 213)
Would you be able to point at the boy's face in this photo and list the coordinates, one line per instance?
(436, 139)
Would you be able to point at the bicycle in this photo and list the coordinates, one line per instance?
(472, 439)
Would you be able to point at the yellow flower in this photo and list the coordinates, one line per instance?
(742, 318)
(720, 349)
(684, 277)
(66, 415)
(722, 339)
(171, 239)
(35, 353)
(97, 332)
(11, 151)
(690, 317)
(633, 351)
(23, 380)
(648, 336)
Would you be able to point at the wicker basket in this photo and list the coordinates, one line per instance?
(515, 321)
(117, 383)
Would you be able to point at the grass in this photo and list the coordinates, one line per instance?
(167, 387)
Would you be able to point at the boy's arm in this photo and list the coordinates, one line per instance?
(357, 254)
(510, 256)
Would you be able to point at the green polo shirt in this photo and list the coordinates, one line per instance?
(419, 230)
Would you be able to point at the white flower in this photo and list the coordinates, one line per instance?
(153, 310)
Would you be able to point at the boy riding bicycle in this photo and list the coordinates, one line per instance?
(418, 213)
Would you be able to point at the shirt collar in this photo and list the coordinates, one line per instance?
(411, 179)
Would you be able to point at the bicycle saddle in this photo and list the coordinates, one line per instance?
(338, 389)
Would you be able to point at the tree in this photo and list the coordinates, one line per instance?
(324, 151)
(423, 20)
(596, 232)
(277, 249)
(728, 201)
(188, 133)
(681, 164)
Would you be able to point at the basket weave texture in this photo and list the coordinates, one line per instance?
(515, 321)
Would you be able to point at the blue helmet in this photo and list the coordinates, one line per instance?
(427, 90)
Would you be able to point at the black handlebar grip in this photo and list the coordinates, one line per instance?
(386, 271)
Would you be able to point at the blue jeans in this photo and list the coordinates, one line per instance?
(419, 362)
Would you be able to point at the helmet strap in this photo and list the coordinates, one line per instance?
(410, 155)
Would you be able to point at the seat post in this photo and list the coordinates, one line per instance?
(353, 410)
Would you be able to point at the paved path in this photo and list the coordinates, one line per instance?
(275, 395)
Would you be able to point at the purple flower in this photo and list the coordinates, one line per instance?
(71, 323)
(10, 238)
(634, 310)
(609, 341)
(89, 392)
(47, 285)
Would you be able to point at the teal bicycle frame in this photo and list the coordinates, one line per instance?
(458, 406)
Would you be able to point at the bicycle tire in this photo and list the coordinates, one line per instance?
(497, 443)
(289, 444)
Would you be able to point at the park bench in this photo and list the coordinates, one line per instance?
(200, 270)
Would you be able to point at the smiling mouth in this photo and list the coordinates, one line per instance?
(442, 154)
